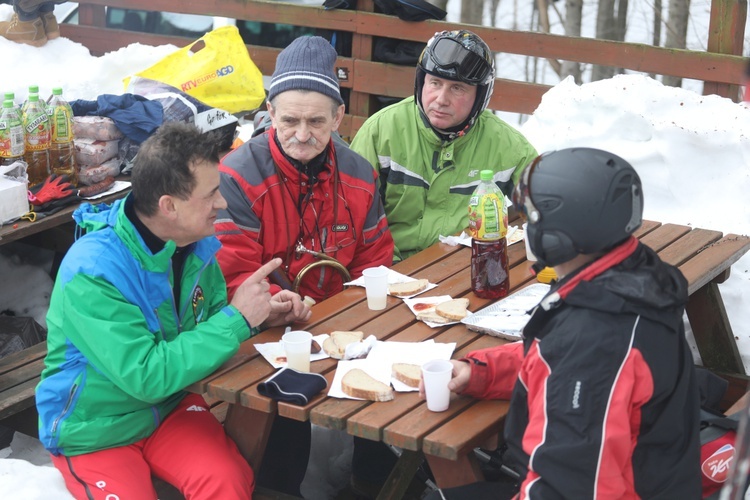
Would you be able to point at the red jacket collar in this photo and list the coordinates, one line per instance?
(607, 261)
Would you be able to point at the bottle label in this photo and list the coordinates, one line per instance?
(36, 124)
(486, 217)
(11, 136)
(61, 130)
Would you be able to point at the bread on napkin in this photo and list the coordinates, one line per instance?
(335, 344)
(408, 373)
(407, 288)
(358, 384)
(454, 310)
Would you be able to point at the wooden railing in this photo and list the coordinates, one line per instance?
(721, 68)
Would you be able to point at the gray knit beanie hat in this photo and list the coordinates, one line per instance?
(306, 64)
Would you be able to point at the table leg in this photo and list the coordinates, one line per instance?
(400, 477)
(712, 331)
(452, 473)
(249, 429)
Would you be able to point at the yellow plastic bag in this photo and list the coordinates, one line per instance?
(216, 69)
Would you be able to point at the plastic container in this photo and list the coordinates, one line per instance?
(37, 130)
(92, 153)
(62, 151)
(33, 90)
(11, 134)
(488, 224)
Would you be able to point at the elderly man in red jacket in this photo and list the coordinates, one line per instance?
(294, 193)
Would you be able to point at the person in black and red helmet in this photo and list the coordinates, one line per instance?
(603, 395)
(430, 148)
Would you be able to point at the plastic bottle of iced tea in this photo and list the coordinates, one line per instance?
(37, 130)
(11, 134)
(488, 224)
(61, 152)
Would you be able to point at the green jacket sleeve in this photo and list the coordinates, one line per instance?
(114, 337)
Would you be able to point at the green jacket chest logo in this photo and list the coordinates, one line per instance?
(198, 300)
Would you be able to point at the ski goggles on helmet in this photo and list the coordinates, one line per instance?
(446, 54)
(522, 194)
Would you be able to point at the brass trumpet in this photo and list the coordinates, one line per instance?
(325, 260)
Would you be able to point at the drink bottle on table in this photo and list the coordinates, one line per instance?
(62, 151)
(37, 130)
(11, 134)
(33, 90)
(488, 225)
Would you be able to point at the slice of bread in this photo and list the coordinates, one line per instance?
(358, 384)
(453, 309)
(408, 288)
(433, 317)
(407, 373)
(335, 344)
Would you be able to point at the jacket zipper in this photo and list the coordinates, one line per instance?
(67, 406)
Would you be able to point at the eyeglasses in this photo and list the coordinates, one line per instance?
(522, 194)
(447, 53)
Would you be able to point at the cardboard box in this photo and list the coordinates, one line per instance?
(14, 200)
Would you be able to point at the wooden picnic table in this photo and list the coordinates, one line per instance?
(447, 439)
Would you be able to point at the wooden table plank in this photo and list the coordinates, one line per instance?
(17, 398)
(713, 260)
(452, 440)
(685, 248)
(662, 236)
(21, 358)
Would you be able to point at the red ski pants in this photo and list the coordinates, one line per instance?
(188, 450)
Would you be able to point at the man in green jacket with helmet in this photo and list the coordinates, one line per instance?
(430, 148)
(138, 312)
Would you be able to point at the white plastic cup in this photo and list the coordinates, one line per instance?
(376, 287)
(529, 255)
(436, 374)
(297, 348)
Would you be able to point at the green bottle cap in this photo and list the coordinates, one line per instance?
(57, 91)
(486, 175)
(33, 89)
(33, 98)
(9, 95)
(7, 103)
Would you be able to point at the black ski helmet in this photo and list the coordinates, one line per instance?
(578, 201)
(462, 56)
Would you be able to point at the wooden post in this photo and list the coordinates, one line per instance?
(726, 33)
(360, 102)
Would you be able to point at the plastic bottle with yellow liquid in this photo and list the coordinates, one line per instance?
(37, 130)
(62, 151)
(11, 133)
(488, 225)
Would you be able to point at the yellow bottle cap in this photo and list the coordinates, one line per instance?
(546, 275)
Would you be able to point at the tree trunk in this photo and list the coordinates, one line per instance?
(656, 39)
(543, 8)
(572, 25)
(605, 29)
(471, 12)
(494, 5)
(679, 11)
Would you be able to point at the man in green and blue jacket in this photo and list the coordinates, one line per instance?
(138, 312)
